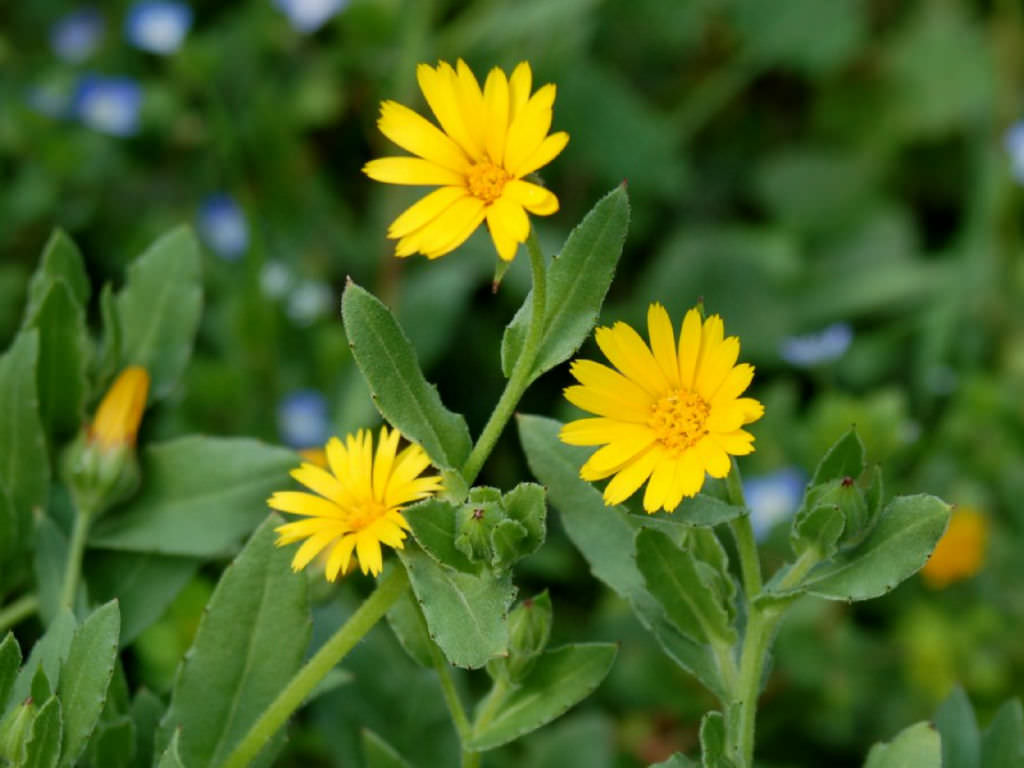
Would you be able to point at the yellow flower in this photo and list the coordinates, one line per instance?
(488, 141)
(669, 413)
(117, 419)
(960, 552)
(317, 456)
(357, 503)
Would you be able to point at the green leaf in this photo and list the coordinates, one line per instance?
(171, 757)
(380, 754)
(407, 622)
(684, 587)
(713, 747)
(51, 554)
(85, 677)
(560, 679)
(577, 282)
(844, 459)
(10, 660)
(678, 760)
(818, 529)
(47, 654)
(146, 711)
(525, 504)
(24, 463)
(604, 536)
(42, 750)
(258, 613)
(1002, 744)
(113, 746)
(915, 747)
(113, 337)
(958, 727)
(61, 260)
(906, 534)
(466, 613)
(199, 497)
(41, 688)
(433, 524)
(144, 585)
(64, 350)
(158, 309)
(401, 393)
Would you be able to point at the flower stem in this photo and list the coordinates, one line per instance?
(756, 639)
(522, 371)
(743, 532)
(390, 588)
(451, 698)
(20, 609)
(76, 550)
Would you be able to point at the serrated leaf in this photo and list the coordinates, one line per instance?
(48, 654)
(42, 750)
(64, 350)
(899, 545)
(433, 524)
(844, 459)
(258, 611)
(61, 260)
(24, 463)
(113, 745)
(958, 727)
(406, 621)
(51, 554)
(170, 757)
(85, 677)
(199, 497)
(144, 585)
(559, 680)
(10, 660)
(683, 586)
(401, 393)
(577, 282)
(380, 754)
(915, 747)
(1002, 744)
(604, 537)
(465, 613)
(158, 309)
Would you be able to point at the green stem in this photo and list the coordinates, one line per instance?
(522, 371)
(743, 532)
(20, 609)
(756, 639)
(492, 703)
(389, 589)
(76, 549)
(451, 698)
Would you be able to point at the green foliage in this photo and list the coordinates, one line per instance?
(380, 754)
(10, 660)
(401, 393)
(958, 727)
(43, 748)
(1002, 744)
(259, 610)
(713, 748)
(61, 261)
(48, 655)
(407, 622)
(915, 747)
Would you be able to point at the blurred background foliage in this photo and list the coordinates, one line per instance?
(831, 177)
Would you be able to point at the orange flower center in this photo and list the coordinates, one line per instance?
(679, 420)
(487, 181)
(365, 515)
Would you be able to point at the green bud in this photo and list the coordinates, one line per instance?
(474, 522)
(14, 732)
(99, 476)
(529, 627)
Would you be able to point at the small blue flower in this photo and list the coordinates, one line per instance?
(1014, 143)
(223, 227)
(812, 349)
(302, 419)
(158, 26)
(309, 301)
(77, 35)
(108, 104)
(773, 498)
(276, 279)
(309, 15)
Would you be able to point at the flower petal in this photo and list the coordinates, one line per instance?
(520, 83)
(302, 503)
(659, 487)
(312, 547)
(716, 366)
(631, 477)
(528, 129)
(340, 559)
(414, 171)
(439, 88)
(548, 150)
(532, 197)
(496, 101)
(734, 385)
(610, 459)
(689, 347)
(425, 210)
(663, 342)
(368, 551)
(631, 355)
(414, 133)
(599, 403)
(387, 444)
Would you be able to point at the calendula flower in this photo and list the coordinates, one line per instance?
(117, 420)
(669, 414)
(488, 141)
(357, 501)
(960, 552)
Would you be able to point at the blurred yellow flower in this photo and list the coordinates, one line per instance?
(488, 141)
(668, 413)
(356, 504)
(317, 456)
(117, 420)
(960, 552)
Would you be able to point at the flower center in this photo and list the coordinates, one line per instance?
(486, 181)
(365, 515)
(679, 420)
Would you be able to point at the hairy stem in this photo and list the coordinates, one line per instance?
(76, 550)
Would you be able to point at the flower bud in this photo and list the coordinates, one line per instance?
(529, 627)
(474, 522)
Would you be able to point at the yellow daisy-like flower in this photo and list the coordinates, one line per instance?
(488, 141)
(670, 413)
(357, 502)
(960, 552)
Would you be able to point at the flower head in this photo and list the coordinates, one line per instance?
(773, 497)
(489, 139)
(77, 35)
(357, 502)
(302, 418)
(223, 226)
(108, 104)
(960, 552)
(1013, 141)
(117, 420)
(310, 15)
(825, 346)
(669, 413)
(158, 26)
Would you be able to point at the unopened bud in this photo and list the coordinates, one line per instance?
(529, 630)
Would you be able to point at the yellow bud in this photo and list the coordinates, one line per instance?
(118, 417)
(960, 552)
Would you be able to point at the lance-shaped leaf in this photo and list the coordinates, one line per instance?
(113, 744)
(48, 654)
(24, 464)
(466, 613)
(50, 557)
(559, 680)
(171, 757)
(604, 537)
(61, 260)
(577, 282)
(844, 459)
(158, 309)
(401, 393)
(1002, 745)
(380, 754)
(249, 643)
(10, 660)
(958, 727)
(917, 746)
(200, 496)
(146, 711)
(85, 677)
(42, 750)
